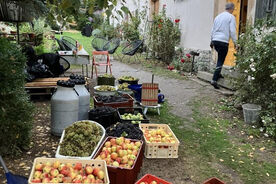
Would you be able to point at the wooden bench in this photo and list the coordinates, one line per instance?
(43, 86)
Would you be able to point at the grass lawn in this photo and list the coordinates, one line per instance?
(149, 64)
(212, 149)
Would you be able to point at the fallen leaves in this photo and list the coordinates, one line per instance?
(262, 149)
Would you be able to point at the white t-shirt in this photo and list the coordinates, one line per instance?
(224, 27)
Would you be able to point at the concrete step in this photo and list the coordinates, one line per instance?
(221, 82)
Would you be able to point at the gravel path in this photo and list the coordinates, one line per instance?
(178, 92)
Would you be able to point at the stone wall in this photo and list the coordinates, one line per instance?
(202, 62)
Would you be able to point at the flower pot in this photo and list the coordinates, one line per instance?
(251, 113)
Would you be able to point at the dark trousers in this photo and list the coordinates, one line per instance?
(222, 49)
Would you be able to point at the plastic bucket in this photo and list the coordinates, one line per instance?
(137, 88)
(251, 113)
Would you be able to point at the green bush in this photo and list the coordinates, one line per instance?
(15, 109)
(256, 64)
(164, 35)
(130, 29)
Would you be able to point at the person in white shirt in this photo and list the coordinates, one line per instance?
(224, 27)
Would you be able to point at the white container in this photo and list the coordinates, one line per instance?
(58, 155)
(105, 93)
(64, 109)
(84, 101)
(251, 113)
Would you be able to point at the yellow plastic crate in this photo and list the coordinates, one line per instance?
(160, 150)
(101, 164)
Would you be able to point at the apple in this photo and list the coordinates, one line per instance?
(78, 166)
(54, 172)
(124, 146)
(107, 144)
(118, 148)
(67, 180)
(89, 169)
(103, 155)
(91, 176)
(113, 148)
(61, 166)
(114, 155)
(86, 180)
(138, 144)
(78, 177)
(127, 141)
(100, 174)
(76, 181)
(39, 167)
(54, 180)
(44, 175)
(119, 141)
(113, 141)
(36, 180)
(98, 181)
(65, 171)
(153, 182)
(72, 175)
(116, 164)
(47, 169)
(118, 160)
(121, 153)
(124, 159)
(37, 174)
(95, 171)
(60, 178)
(46, 180)
(48, 164)
(56, 164)
(135, 152)
(135, 148)
(130, 162)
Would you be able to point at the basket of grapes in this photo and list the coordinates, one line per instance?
(105, 90)
(128, 79)
(80, 140)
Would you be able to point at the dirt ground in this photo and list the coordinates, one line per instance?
(179, 94)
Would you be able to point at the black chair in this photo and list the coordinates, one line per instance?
(132, 48)
(112, 45)
(100, 44)
(69, 42)
(62, 47)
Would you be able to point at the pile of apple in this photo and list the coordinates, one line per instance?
(158, 136)
(120, 152)
(67, 173)
(152, 182)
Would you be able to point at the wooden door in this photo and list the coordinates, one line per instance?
(154, 8)
(230, 58)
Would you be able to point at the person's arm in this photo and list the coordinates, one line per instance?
(233, 30)
(212, 32)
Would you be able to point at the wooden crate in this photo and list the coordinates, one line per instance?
(149, 94)
(160, 150)
(101, 164)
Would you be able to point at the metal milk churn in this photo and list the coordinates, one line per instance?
(84, 98)
(64, 107)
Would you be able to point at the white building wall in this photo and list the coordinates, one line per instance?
(196, 21)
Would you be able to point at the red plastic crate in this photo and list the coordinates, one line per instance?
(119, 175)
(149, 178)
(128, 103)
(214, 181)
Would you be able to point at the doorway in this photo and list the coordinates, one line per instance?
(240, 12)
